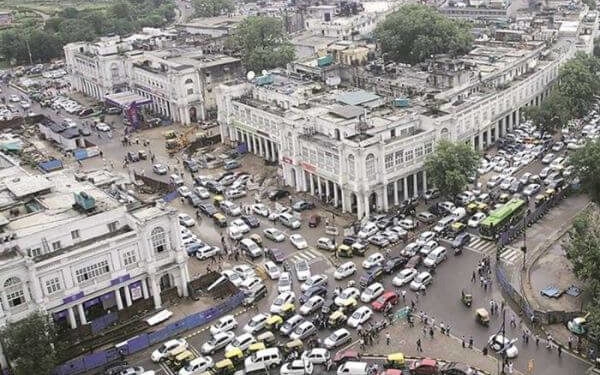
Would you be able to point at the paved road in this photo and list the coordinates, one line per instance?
(443, 297)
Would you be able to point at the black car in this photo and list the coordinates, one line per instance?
(393, 264)
(385, 222)
(85, 112)
(251, 221)
(208, 209)
(349, 240)
(214, 187)
(370, 277)
(276, 255)
(223, 175)
(194, 200)
(319, 290)
(278, 194)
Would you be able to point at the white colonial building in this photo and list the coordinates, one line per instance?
(71, 250)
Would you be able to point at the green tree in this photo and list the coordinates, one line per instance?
(586, 163)
(52, 24)
(262, 43)
(552, 114)
(75, 30)
(578, 83)
(13, 46)
(450, 166)
(212, 8)
(590, 3)
(596, 47)
(30, 345)
(69, 12)
(44, 46)
(415, 32)
(583, 247)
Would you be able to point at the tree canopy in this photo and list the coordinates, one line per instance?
(450, 166)
(586, 164)
(262, 43)
(45, 41)
(415, 32)
(31, 345)
(552, 114)
(212, 8)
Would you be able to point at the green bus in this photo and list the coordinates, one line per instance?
(501, 217)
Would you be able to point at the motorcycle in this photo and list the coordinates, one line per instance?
(458, 250)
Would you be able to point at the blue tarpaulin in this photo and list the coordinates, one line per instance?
(170, 196)
(51, 165)
(80, 154)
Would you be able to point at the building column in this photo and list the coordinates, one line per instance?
(367, 205)
(119, 299)
(145, 288)
(184, 280)
(81, 311)
(396, 193)
(312, 184)
(359, 205)
(71, 316)
(335, 194)
(405, 186)
(415, 186)
(385, 198)
(273, 153)
(489, 136)
(155, 292)
(260, 146)
(424, 180)
(128, 301)
(319, 187)
(327, 192)
(343, 201)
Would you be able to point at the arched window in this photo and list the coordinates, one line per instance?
(158, 238)
(189, 81)
(351, 167)
(370, 166)
(14, 292)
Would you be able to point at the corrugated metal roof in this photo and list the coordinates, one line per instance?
(346, 111)
(356, 97)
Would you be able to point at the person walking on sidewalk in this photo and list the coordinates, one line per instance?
(388, 338)
(570, 343)
(419, 348)
(471, 342)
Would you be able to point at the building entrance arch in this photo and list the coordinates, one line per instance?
(193, 114)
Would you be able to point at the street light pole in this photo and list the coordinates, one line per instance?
(524, 247)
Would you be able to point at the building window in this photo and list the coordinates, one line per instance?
(53, 285)
(15, 298)
(75, 234)
(35, 252)
(112, 227)
(190, 91)
(370, 166)
(92, 271)
(56, 245)
(158, 239)
(399, 157)
(419, 151)
(409, 155)
(129, 257)
(389, 161)
(428, 148)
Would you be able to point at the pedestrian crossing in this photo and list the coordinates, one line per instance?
(310, 255)
(488, 248)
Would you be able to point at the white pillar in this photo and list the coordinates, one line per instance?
(260, 146)
(359, 205)
(118, 299)
(71, 315)
(385, 198)
(312, 184)
(424, 180)
(367, 205)
(489, 136)
(3, 361)
(335, 194)
(319, 187)
(155, 293)
(81, 311)
(145, 289)
(273, 154)
(396, 193)
(184, 279)
(415, 186)
(128, 296)
(405, 187)
(327, 189)
(268, 150)
(344, 201)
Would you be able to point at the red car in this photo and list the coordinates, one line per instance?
(385, 301)
(314, 221)
(425, 366)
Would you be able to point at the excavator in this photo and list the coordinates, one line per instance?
(180, 141)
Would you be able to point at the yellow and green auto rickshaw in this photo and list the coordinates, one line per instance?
(224, 367)
(539, 199)
(267, 338)
(220, 220)
(182, 359)
(344, 251)
(287, 310)
(235, 355)
(482, 316)
(466, 298)
(170, 134)
(293, 346)
(274, 322)
(336, 319)
(348, 306)
(253, 348)
(395, 360)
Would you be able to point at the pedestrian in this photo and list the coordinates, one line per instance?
(448, 330)
(412, 304)
(471, 342)
(419, 348)
(463, 341)
(549, 342)
(537, 340)
(404, 296)
(513, 322)
(485, 350)
(424, 330)
(510, 367)
(442, 328)
(473, 277)
(431, 332)
(388, 338)
(559, 348)
(570, 343)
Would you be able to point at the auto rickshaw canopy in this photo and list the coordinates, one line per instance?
(482, 316)
(235, 353)
(253, 348)
(395, 360)
(186, 355)
(274, 320)
(266, 337)
(294, 345)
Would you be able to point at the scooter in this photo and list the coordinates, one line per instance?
(458, 250)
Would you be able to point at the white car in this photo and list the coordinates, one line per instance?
(14, 98)
(207, 251)
(498, 342)
(256, 323)
(476, 219)
(25, 105)
(244, 270)
(373, 260)
(310, 306)
(233, 276)
(241, 342)
(314, 280)
(345, 270)
(218, 341)
(368, 230)
(280, 300)
(425, 237)
(316, 356)
(505, 184)
(184, 191)
(407, 224)
(298, 241)
(201, 192)
(240, 226)
(284, 284)
(494, 181)
(196, 366)
(224, 324)
(186, 220)
(346, 294)
(163, 351)
(404, 277)
(372, 292)
(360, 316)
(272, 270)
(260, 209)
(297, 367)
(274, 234)
(421, 281)
(337, 338)
(302, 270)
(548, 158)
(531, 189)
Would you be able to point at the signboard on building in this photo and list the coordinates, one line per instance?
(287, 160)
(308, 167)
(136, 291)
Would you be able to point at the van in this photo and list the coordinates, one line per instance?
(176, 180)
(251, 248)
(353, 368)
(368, 230)
(459, 213)
(289, 221)
(437, 256)
(263, 360)
(251, 284)
(444, 223)
(231, 164)
(325, 243)
(426, 217)
(230, 208)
